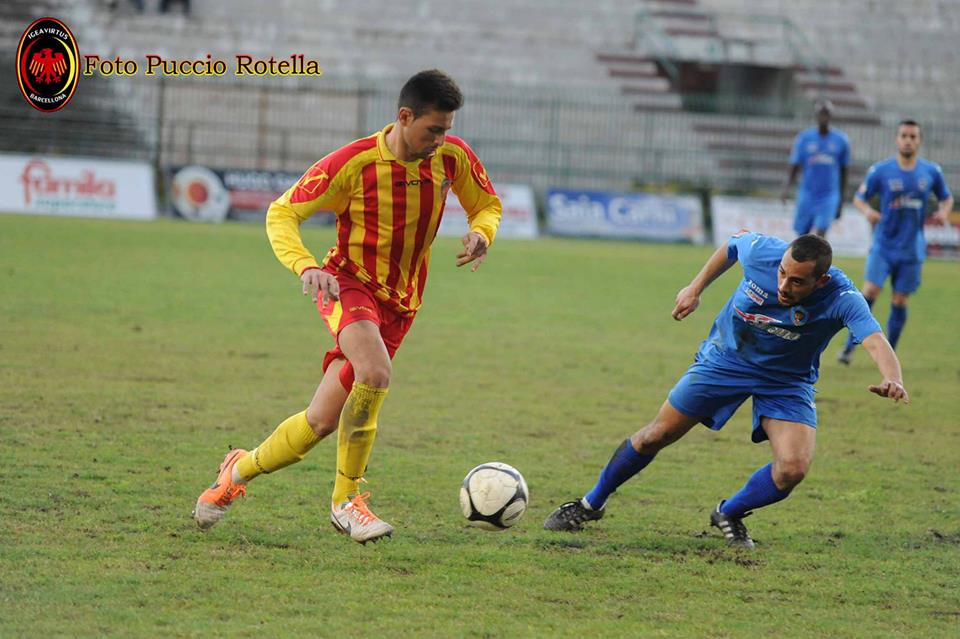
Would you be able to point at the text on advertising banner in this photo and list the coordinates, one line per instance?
(652, 216)
(80, 187)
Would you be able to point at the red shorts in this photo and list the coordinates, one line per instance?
(358, 303)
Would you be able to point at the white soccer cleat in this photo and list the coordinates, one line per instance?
(354, 518)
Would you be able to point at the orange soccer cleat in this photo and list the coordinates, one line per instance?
(214, 502)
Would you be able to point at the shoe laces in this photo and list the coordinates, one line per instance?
(360, 510)
(573, 512)
(738, 527)
(231, 492)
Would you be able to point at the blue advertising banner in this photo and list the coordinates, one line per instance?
(651, 216)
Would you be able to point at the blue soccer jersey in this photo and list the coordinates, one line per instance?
(758, 335)
(903, 205)
(820, 157)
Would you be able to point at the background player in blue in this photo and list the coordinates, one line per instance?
(822, 154)
(765, 343)
(904, 184)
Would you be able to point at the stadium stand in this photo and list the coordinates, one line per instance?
(101, 120)
(614, 95)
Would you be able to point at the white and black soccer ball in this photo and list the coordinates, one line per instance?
(494, 496)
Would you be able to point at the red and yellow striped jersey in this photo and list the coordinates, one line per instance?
(387, 211)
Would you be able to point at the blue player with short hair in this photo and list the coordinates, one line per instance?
(822, 153)
(904, 184)
(765, 344)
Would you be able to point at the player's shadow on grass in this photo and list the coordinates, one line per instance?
(660, 549)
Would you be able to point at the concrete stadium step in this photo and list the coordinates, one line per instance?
(641, 86)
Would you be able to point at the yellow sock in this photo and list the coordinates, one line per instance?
(357, 430)
(288, 444)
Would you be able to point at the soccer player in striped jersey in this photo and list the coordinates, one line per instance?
(388, 191)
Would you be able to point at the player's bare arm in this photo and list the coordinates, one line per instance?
(317, 282)
(889, 367)
(474, 250)
(943, 211)
(843, 189)
(872, 215)
(688, 299)
(791, 178)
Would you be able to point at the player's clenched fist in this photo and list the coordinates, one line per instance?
(687, 302)
(317, 282)
(893, 390)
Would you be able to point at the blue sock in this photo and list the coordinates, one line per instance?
(625, 463)
(898, 318)
(850, 344)
(759, 491)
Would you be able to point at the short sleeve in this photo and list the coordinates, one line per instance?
(741, 244)
(844, 158)
(871, 184)
(797, 152)
(939, 186)
(856, 316)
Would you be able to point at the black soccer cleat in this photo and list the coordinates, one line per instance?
(732, 528)
(571, 516)
(845, 357)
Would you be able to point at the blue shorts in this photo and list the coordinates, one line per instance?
(815, 214)
(904, 274)
(713, 392)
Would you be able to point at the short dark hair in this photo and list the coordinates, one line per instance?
(431, 89)
(908, 122)
(811, 247)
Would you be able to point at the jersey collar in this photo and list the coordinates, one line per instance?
(385, 153)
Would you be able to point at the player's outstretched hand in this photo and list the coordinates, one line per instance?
(317, 282)
(474, 250)
(893, 390)
(943, 217)
(687, 302)
(873, 216)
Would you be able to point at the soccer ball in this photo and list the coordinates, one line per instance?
(493, 496)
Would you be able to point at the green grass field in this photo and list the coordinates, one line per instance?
(133, 354)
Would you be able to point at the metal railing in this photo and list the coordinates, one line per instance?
(649, 37)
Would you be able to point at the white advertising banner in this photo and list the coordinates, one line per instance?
(648, 216)
(519, 214)
(849, 236)
(80, 187)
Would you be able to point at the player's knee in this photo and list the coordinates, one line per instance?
(376, 374)
(320, 425)
(899, 299)
(790, 471)
(651, 439)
